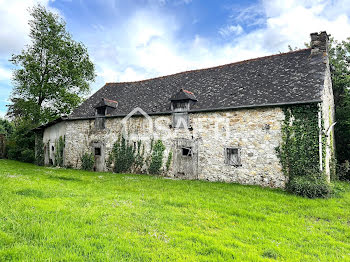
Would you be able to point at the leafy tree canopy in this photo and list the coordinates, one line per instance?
(6, 127)
(53, 71)
(339, 55)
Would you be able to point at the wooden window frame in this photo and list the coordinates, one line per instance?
(239, 156)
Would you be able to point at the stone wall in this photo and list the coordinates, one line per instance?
(328, 114)
(50, 137)
(255, 132)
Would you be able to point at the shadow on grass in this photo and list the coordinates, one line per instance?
(64, 178)
(31, 193)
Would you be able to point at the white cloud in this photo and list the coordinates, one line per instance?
(230, 30)
(14, 18)
(5, 74)
(147, 44)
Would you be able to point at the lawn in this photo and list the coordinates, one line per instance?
(70, 215)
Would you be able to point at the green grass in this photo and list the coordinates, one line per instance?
(70, 215)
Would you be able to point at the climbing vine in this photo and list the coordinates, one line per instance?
(168, 162)
(157, 157)
(139, 152)
(123, 155)
(299, 149)
(59, 145)
(127, 156)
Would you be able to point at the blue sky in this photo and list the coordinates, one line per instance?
(136, 39)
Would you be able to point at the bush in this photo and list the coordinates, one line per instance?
(123, 155)
(157, 158)
(87, 162)
(343, 170)
(28, 155)
(311, 186)
(21, 144)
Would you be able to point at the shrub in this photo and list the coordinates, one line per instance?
(39, 151)
(311, 186)
(28, 155)
(21, 144)
(87, 161)
(343, 170)
(157, 157)
(123, 155)
(168, 162)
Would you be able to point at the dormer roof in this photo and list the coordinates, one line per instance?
(183, 95)
(107, 102)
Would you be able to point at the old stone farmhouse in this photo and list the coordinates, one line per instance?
(221, 124)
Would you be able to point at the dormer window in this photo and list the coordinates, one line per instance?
(180, 105)
(103, 108)
(101, 111)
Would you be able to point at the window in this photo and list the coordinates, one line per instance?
(97, 151)
(187, 151)
(180, 106)
(181, 120)
(233, 156)
(52, 148)
(101, 111)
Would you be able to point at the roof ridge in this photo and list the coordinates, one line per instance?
(207, 68)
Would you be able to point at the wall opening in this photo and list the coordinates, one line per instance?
(233, 156)
(97, 151)
(187, 151)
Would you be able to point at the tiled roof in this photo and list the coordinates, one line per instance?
(288, 78)
(107, 102)
(183, 95)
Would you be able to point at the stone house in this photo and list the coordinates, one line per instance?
(221, 124)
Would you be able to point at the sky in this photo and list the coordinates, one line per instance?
(130, 40)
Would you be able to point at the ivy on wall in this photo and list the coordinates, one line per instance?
(59, 145)
(127, 156)
(168, 162)
(157, 157)
(123, 156)
(299, 151)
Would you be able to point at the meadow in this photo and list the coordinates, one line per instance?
(51, 214)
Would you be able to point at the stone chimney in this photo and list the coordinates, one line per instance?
(319, 43)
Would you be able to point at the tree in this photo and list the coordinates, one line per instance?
(53, 72)
(339, 55)
(6, 127)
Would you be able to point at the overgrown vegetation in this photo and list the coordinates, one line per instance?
(39, 150)
(339, 55)
(21, 144)
(157, 157)
(299, 152)
(168, 161)
(310, 185)
(127, 156)
(59, 145)
(72, 215)
(87, 161)
(123, 155)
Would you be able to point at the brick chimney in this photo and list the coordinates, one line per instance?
(319, 43)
